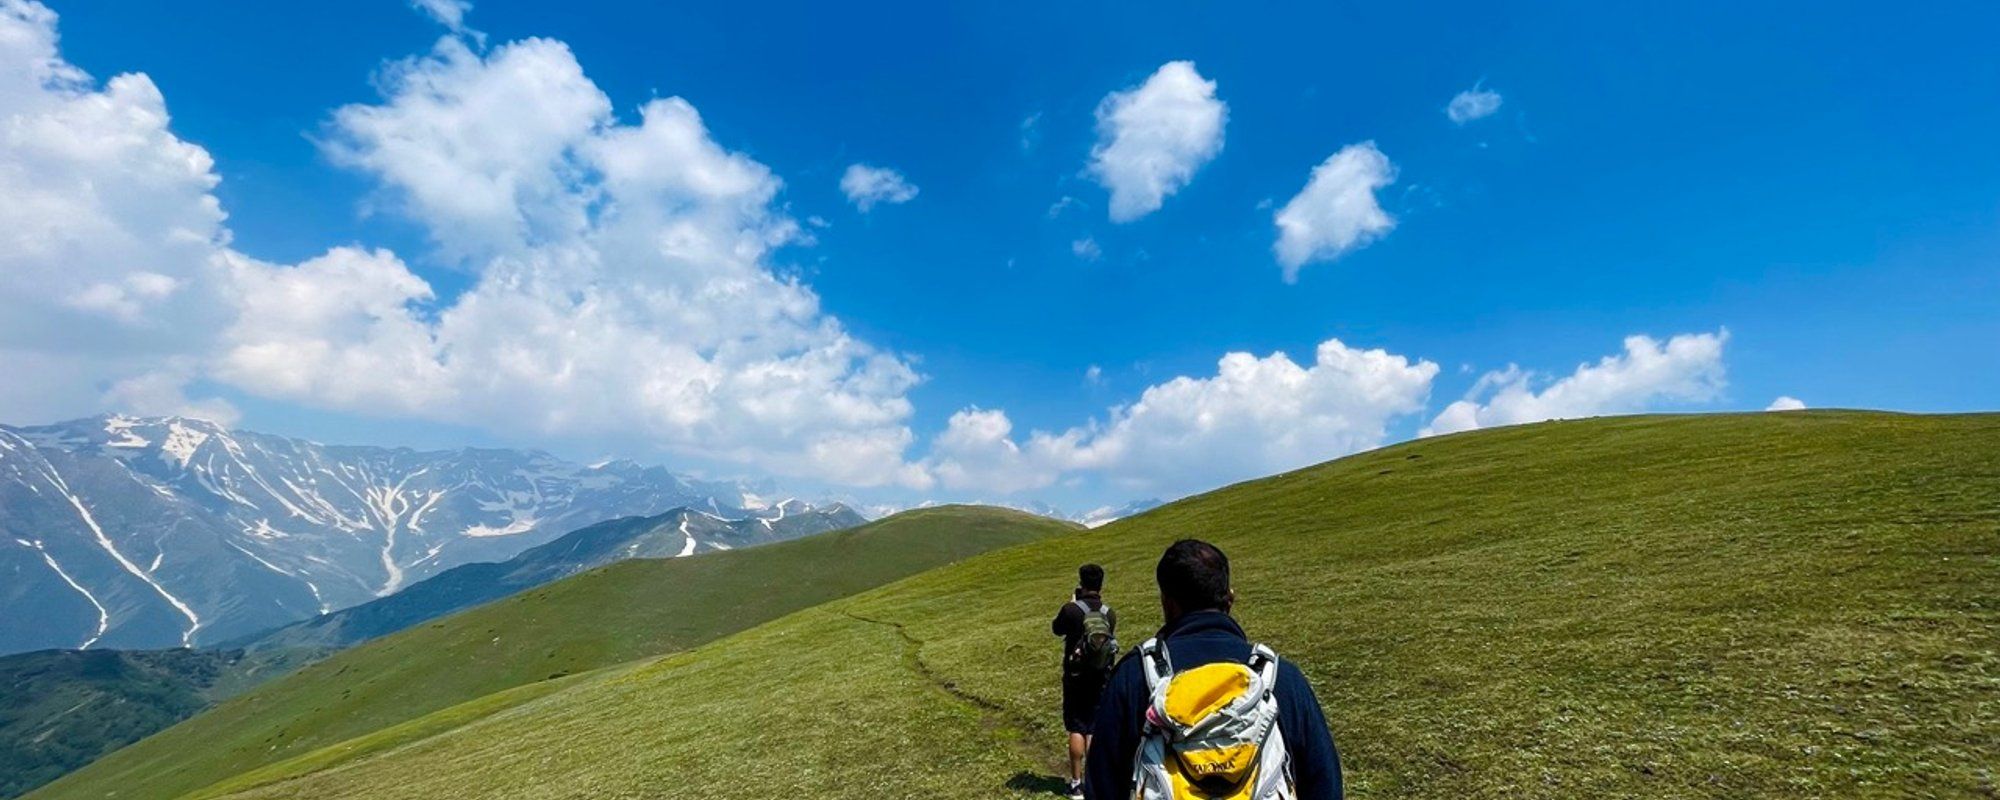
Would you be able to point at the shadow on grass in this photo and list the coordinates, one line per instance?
(1030, 782)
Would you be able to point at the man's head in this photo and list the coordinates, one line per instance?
(1090, 578)
(1193, 576)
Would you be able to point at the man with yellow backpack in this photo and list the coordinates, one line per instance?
(1199, 712)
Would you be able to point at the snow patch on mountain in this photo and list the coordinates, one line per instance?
(182, 442)
(103, 616)
(120, 430)
(688, 549)
(513, 526)
(194, 620)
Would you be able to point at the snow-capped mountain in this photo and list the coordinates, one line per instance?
(155, 532)
(678, 533)
(1105, 515)
(1096, 517)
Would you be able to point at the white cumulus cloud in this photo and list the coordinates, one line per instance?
(1337, 211)
(977, 451)
(620, 291)
(623, 287)
(1687, 368)
(1786, 403)
(1471, 104)
(1253, 417)
(1152, 138)
(481, 149)
(866, 186)
(108, 230)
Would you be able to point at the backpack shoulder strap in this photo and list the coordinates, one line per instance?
(1159, 666)
(1264, 662)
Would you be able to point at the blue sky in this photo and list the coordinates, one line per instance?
(1811, 200)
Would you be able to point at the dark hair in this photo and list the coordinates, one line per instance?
(1090, 577)
(1195, 575)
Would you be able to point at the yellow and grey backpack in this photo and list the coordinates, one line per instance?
(1212, 731)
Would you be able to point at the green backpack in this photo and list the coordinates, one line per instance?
(1097, 650)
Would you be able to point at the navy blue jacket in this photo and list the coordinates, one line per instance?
(1206, 637)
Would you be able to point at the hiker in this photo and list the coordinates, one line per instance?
(1089, 630)
(1208, 731)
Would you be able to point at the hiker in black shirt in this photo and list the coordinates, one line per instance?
(1087, 625)
(1195, 596)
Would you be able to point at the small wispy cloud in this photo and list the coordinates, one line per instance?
(1472, 104)
(449, 13)
(866, 186)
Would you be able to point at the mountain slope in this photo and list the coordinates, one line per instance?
(1798, 604)
(63, 708)
(678, 533)
(627, 610)
(158, 532)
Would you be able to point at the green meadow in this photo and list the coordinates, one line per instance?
(1800, 604)
(483, 660)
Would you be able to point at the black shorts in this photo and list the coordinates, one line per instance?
(1080, 695)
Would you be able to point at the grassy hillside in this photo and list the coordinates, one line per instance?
(63, 708)
(589, 547)
(526, 643)
(1798, 604)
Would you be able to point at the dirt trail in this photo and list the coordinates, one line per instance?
(1015, 730)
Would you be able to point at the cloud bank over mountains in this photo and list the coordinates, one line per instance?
(1252, 417)
(622, 275)
(1257, 416)
(622, 288)
(1687, 368)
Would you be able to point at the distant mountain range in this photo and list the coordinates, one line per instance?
(130, 532)
(1102, 515)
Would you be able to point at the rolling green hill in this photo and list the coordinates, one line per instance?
(1797, 604)
(523, 646)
